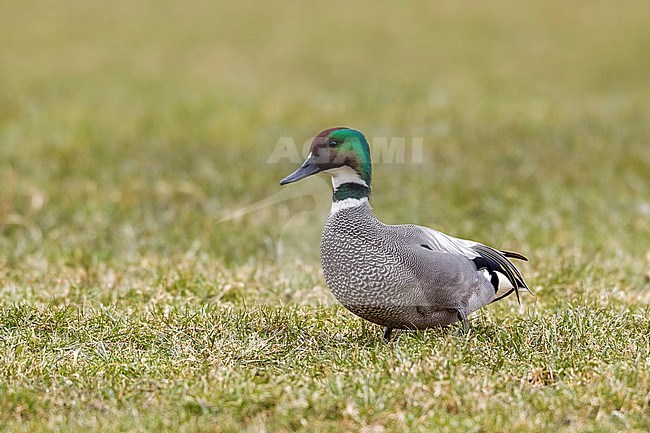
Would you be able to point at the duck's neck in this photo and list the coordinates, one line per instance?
(350, 190)
(347, 203)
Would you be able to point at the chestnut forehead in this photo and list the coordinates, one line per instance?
(318, 142)
(322, 139)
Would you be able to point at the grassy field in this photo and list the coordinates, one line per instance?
(135, 296)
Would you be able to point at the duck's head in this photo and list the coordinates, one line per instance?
(344, 154)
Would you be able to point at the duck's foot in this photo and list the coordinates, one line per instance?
(387, 332)
(463, 318)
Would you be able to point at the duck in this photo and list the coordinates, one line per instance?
(406, 277)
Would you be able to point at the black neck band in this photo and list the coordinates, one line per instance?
(350, 190)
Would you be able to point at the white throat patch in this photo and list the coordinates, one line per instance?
(343, 175)
(348, 202)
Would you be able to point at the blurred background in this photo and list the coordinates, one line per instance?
(128, 130)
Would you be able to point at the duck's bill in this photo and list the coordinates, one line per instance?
(305, 170)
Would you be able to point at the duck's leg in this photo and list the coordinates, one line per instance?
(387, 332)
(463, 318)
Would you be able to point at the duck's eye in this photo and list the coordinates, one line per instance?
(333, 143)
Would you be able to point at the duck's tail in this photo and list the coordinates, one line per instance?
(504, 275)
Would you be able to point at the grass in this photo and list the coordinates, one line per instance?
(130, 134)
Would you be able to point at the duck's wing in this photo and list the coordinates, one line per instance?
(493, 264)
